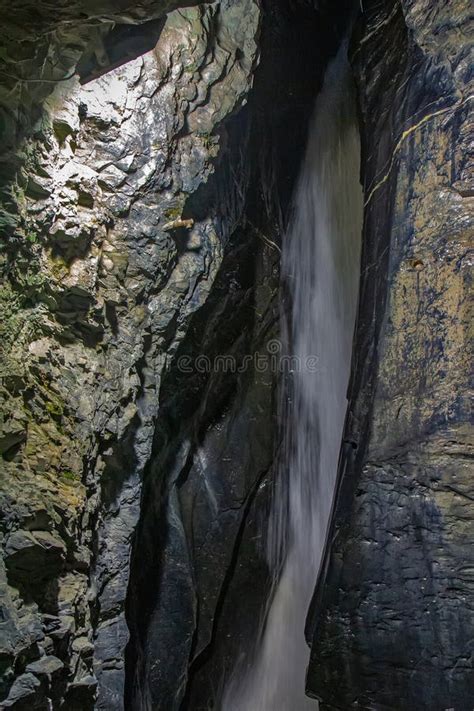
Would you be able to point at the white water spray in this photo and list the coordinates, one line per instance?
(320, 266)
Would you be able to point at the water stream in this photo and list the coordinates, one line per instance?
(320, 272)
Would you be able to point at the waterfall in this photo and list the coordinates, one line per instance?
(320, 272)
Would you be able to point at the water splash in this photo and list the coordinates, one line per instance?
(320, 271)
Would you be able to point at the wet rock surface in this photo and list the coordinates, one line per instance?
(391, 624)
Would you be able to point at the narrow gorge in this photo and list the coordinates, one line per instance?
(235, 426)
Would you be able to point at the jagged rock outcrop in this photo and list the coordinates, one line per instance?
(104, 281)
(44, 43)
(391, 625)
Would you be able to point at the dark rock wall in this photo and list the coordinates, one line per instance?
(391, 624)
(213, 454)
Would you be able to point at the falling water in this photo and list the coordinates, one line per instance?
(320, 270)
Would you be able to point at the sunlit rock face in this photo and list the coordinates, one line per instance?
(392, 622)
(103, 285)
(43, 43)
